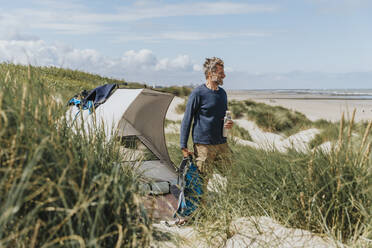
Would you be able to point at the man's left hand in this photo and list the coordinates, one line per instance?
(229, 124)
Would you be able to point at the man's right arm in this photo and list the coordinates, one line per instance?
(191, 107)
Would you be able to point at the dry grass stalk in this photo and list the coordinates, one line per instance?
(2, 114)
(366, 154)
(340, 138)
(29, 72)
(310, 167)
(62, 239)
(7, 77)
(13, 151)
(365, 136)
(350, 129)
(15, 236)
(36, 115)
(120, 238)
(351, 125)
(302, 199)
(23, 103)
(338, 175)
(36, 231)
(85, 167)
(1, 100)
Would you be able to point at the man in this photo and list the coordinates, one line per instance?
(206, 107)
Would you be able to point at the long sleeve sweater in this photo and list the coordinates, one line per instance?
(207, 108)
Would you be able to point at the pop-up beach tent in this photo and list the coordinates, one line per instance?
(136, 117)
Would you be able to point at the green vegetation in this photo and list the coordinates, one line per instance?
(68, 82)
(180, 91)
(270, 118)
(64, 81)
(329, 194)
(181, 108)
(329, 132)
(60, 188)
(240, 132)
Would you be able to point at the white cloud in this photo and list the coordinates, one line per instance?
(181, 62)
(143, 59)
(142, 65)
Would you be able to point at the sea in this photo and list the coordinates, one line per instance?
(327, 93)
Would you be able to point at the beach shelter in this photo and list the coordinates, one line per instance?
(136, 117)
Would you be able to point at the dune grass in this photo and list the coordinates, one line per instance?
(68, 82)
(326, 193)
(180, 108)
(270, 118)
(59, 187)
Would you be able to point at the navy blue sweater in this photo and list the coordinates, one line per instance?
(207, 108)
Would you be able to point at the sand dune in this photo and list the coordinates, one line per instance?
(247, 232)
(260, 139)
(261, 231)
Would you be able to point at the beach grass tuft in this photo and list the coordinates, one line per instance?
(61, 187)
(327, 193)
(270, 118)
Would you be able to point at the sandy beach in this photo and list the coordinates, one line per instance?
(314, 106)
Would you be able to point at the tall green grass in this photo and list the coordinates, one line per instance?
(326, 193)
(60, 187)
(270, 118)
(69, 82)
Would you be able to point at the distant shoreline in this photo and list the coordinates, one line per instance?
(303, 94)
(314, 106)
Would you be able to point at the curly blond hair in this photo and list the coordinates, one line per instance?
(210, 65)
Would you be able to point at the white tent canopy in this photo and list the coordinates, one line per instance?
(139, 113)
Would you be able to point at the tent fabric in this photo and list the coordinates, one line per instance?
(140, 113)
(147, 115)
(99, 94)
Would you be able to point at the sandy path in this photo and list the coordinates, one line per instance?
(257, 232)
(271, 141)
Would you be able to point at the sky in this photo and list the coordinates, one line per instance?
(266, 44)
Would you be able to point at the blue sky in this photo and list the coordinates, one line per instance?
(265, 44)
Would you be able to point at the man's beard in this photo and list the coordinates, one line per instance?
(218, 81)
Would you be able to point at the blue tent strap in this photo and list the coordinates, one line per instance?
(89, 105)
